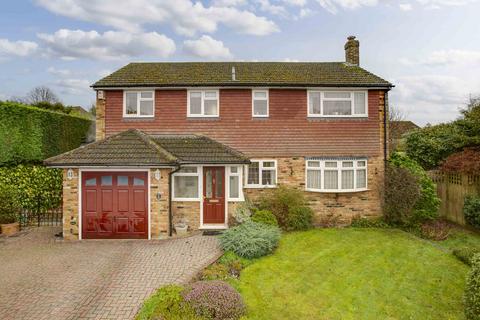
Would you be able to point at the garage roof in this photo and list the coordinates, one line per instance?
(136, 148)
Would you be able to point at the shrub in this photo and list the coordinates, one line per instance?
(215, 300)
(466, 254)
(265, 217)
(243, 211)
(471, 210)
(233, 262)
(167, 303)
(9, 208)
(216, 271)
(250, 239)
(284, 203)
(299, 218)
(472, 291)
(426, 206)
(362, 222)
(435, 230)
(29, 134)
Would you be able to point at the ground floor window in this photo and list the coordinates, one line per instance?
(235, 183)
(185, 184)
(333, 175)
(262, 173)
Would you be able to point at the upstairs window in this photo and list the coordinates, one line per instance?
(262, 174)
(203, 103)
(138, 104)
(260, 103)
(337, 103)
(336, 175)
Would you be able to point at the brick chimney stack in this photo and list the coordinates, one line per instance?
(352, 51)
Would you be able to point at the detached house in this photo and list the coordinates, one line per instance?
(189, 141)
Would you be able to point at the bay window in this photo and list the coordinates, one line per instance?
(262, 173)
(185, 184)
(203, 103)
(332, 175)
(138, 104)
(337, 103)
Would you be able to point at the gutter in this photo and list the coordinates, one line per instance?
(170, 192)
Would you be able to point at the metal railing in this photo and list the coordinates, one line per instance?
(50, 217)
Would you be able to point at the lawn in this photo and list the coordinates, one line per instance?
(354, 274)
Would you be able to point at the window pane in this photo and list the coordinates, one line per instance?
(233, 169)
(361, 163)
(219, 184)
(131, 103)
(146, 95)
(195, 102)
(106, 180)
(330, 179)
(91, 182)
(347, 179)
(269, 164)
(347, 164)
(186, 187)
(268, 177)
(360, 103)
(314, 179)
(314, 98)
(188, 170)
(337, 108)
(234, 190)
(146, 108)
(253, 173)
(260, 107)
(260, 94)
(122, 181)
(211, 94)
(336, 95)
(210, 107)
(209, 184)
(138, 182)
(314, 164)
(331, 164)
(361, 178)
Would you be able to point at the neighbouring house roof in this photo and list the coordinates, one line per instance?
(281, 74)
(399, 128)
(136, 148)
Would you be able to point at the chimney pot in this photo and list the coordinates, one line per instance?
(352, 51)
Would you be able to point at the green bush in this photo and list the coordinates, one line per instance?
(9, 208)
(265, 217)
(363, 222)
(29, 134)
(472, 291)
(216, 271)
(233, 263)
(466, 254)
(289, 206)
(167, 303)
(250, 239)
(299, 218)
(471, 210)
(426, 206)
(243, 211)
(37, 188)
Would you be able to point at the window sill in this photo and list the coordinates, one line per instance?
(203, 117)
(337, 117)
(149, 118)
(336, 191)
(259, 187)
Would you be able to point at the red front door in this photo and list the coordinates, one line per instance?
(114, 205)
(213, 195)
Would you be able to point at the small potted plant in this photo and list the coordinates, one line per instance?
(181, 227)
(8, 212)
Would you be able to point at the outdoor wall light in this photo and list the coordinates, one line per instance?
(70, 174)
(157, 175)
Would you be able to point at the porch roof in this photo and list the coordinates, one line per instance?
(134, 148)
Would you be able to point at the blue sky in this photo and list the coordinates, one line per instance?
(429, 49)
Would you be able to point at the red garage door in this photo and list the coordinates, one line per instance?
(114, 205)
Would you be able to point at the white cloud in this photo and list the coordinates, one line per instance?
(184, 16)
(446, 58)
(111, 45)
(267, 6)
(59, 72)
(333, 5)
(405, 6)
(73, 86)
(17, 48)
(435, 4)
(207, 47)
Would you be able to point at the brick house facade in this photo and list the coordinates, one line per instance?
(317, 127)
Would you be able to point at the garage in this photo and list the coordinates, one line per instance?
(114, 205)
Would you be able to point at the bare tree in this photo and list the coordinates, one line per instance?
(41, 94)
(395, 116)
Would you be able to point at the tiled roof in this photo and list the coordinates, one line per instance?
(181, 74)
(135, 148)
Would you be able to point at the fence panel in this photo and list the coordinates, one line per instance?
(452, 189)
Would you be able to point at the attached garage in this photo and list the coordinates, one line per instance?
(114, 205)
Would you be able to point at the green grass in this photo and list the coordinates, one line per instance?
(354, 274)
(459, 238)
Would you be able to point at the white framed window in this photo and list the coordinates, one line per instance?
(337, 103)
(334, 175)
(138, 104)
(203, 103)
(260, 103)
(261, 174)
(234, 176)
(186, 184)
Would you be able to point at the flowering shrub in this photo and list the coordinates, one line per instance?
(215, 300)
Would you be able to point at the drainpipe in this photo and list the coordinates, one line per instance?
(170, 190)
(385, 131)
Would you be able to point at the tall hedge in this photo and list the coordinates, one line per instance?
(30, 135)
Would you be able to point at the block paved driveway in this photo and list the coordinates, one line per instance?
(41, 278)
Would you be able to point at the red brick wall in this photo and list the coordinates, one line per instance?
(287, 132)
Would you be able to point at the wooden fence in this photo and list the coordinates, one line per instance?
(452, 189)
